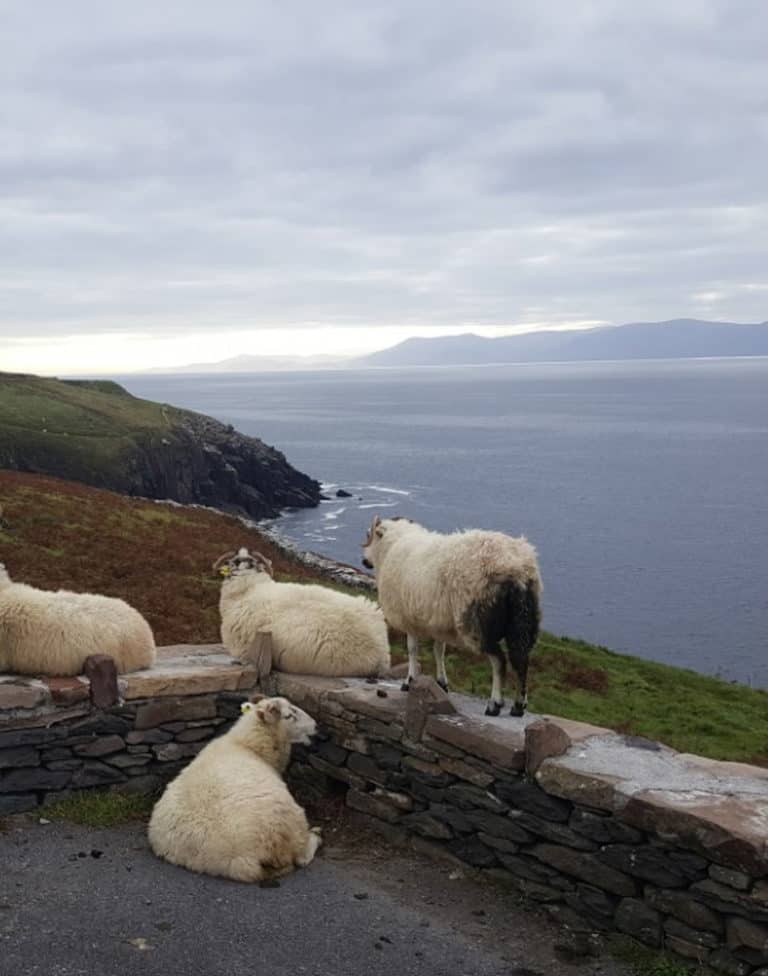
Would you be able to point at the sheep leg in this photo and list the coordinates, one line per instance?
(518, 658)
(413, 662)
(499, 669)
(438, 649)
(522, 632)
(314, 840)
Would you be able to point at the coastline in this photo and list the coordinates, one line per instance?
(328, 568)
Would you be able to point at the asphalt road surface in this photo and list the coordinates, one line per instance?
(75, 901)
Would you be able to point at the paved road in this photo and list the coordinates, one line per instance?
(81, 902)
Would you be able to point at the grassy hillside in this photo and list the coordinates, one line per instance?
(158, 557)
(72, 420)
(95, 432)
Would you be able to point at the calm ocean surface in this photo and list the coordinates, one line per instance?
(643, 485)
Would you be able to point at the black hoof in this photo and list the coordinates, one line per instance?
(493, 708)
(517, 710)
(443, 684)
(406, 685)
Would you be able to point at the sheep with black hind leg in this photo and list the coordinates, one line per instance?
(472, 590)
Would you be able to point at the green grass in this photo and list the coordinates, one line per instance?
(93, 809)
(158, 558)
(78, 409)
(649, 962)
(87, 431)
(688, 711)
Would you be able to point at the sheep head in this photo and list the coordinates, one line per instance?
(235, 563)
(279, 714)
(376, 533)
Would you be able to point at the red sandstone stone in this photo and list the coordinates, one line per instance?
(729, 829)
(172, 709)
(68, 691)
(22, 693)
(504, 748)
(102, 674)
(550, 737)
(425, 698)
(363, 700)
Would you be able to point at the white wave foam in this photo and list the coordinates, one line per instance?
(379, 505)
(387, 490)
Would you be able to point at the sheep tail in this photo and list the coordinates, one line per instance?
(522, 619)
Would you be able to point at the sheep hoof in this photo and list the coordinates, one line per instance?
(443, 684)
(406, 685)
(517, 710)
(493, 708)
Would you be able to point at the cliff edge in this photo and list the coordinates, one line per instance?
(95, 432)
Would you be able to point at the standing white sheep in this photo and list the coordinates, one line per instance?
(229, 813)
(468, 589)
(315, 630)
(53, 632)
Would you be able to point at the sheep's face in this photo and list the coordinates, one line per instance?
(240, 562)
(377, 532)
(296, 725)
(370, 546)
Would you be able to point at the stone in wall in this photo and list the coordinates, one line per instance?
(573, 847)
(579, 835)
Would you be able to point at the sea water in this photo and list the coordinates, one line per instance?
(643, 485)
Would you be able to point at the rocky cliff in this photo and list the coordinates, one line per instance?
(97, 433)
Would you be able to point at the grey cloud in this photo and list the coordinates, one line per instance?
(431, 163)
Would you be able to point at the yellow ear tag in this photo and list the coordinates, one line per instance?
(225, 571)
(246, 707)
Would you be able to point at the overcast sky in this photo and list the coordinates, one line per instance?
(187, 181)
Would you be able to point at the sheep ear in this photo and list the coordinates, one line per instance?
(247, 707)
(269, 712)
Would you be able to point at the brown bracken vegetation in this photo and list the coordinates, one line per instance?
(157, 556)
(56, 534)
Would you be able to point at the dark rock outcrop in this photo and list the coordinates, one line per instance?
(203, 461)
(96, 433)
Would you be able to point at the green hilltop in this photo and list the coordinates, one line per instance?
(95, 432)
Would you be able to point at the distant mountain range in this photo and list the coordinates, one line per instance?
(258, 364)
(675, 339)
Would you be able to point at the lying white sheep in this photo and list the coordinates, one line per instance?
(229, 813)
(53, 632)
(314, 630)
(469, 589)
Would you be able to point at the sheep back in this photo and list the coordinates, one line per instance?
(230, 814)
(52, 633)
(432, 586)
(315, 630)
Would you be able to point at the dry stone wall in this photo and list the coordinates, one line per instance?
(135, 748)
(608, 832)
(61, 735)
